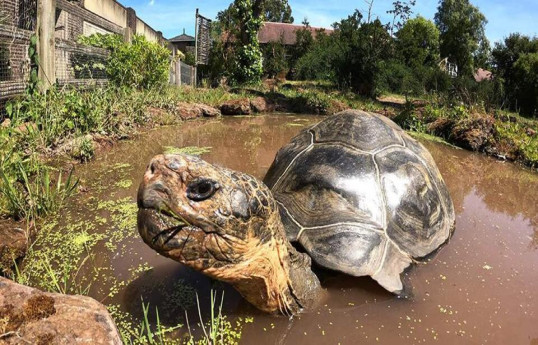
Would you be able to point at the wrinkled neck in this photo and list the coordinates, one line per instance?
(274, 276)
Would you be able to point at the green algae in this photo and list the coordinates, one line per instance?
(188, 150)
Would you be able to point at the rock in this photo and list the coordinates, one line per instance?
(188, 111)
(13, 244)
(530, 132)
(30, 316)
(208, 111)
(473, 132)
(258, 104)
(441, 127)
(236, 107)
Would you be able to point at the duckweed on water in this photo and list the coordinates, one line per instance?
(124, 184)
(189, 150)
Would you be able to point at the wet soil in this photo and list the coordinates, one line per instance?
(481, 288)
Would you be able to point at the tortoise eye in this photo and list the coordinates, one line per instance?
(200, 190)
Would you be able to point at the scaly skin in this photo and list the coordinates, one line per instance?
(230, 230)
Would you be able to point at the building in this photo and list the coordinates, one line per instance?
(184, 43)
(482, 74)
(284, 32)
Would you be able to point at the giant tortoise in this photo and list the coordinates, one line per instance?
(354, 193)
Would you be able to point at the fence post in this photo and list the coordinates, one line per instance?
(46, 22)
(178, 72)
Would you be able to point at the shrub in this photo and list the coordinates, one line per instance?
(140, 63)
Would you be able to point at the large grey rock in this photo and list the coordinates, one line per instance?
(30, 316)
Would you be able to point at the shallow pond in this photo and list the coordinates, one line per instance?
(480, 288)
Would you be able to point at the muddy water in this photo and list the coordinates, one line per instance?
(481, 288)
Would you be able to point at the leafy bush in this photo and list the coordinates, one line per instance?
(139, 63)
(274, 59)
(396, 77)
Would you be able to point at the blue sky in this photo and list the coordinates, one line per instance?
(171, 16)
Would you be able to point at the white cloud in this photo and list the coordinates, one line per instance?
(151, 2)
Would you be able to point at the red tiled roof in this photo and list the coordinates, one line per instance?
(273, 32)
(482, 74)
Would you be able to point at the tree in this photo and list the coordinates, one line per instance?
(417, 43)
(277, 11)
(271, 11)
(274, 58)
(248, 66)
(400, 14)
(506, 53)
(526, 72)
(513, 60)
(462, 34)
(303, 43)
(360, 48)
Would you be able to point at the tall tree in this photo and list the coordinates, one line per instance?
(248, 66)
(271, 11)
(400, 14)
(462, 33)
(417, 43)
(361, 46)
(277, 11)
(514, 61)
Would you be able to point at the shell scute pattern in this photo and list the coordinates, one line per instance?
(361, 196)
(367, 132)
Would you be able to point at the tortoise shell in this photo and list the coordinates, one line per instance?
(361, 196)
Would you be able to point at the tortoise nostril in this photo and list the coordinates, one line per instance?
(152, 167)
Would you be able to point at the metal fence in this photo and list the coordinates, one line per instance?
(17, 25)
(80, 65)
(65, 62)
(181, 73)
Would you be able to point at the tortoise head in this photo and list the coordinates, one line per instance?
(202, 215)
(221, 222)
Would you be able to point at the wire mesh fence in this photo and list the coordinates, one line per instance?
(71, 63)
(79, 65)
(18, 20)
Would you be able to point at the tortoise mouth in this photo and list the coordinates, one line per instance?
(162, 230)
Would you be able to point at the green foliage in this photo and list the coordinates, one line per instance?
(314, 57)
(396, 77)
(462, 36)
(513, 59)
(312, 101)
(360, 48)
(277, 11)
(29, 190)
(401, 12)
(190, 58)
(138, 64)
(248, 67)
(274, 59)
(526, 73)
(83, 148)
(417, 43)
